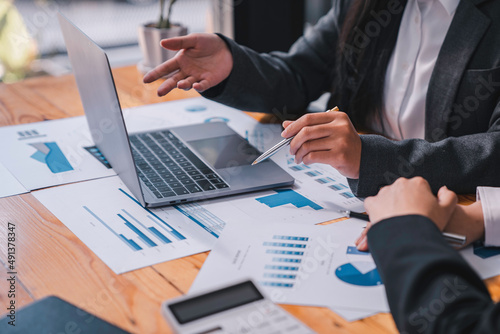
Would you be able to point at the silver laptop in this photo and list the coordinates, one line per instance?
(170, 166)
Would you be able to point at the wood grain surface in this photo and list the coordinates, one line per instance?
(51, 260)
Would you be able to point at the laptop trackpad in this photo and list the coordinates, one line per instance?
(225, 151)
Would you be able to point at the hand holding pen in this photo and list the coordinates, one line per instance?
(273, 150)
(328, 138)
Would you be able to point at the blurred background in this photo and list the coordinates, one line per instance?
(31, 43)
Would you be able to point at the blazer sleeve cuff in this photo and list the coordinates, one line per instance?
(374, 172)
(490, 197)
(391, 233)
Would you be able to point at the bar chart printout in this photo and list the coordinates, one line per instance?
(45, 154)
(284, 257)
(288, 196)
(297, 264)
(320, 183)
(124, 234)
(50, 153)
(154, 232)
(202, 217)
(485, 252)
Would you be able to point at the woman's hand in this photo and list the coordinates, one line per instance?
(467, 220)
(204, 61)
(409, 197)
(328, 138)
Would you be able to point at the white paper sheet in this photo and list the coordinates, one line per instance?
(320, 182)
(99, 203)
(50, 153)
(9, 185)
(275, 206)
(103, 215)
(486, 262)
(296, 264)
(353, 314)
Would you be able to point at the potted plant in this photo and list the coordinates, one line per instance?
(151, 34)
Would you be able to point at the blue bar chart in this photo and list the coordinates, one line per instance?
(283, 260)
(147, 236)
(299, 168)
(123, 233)
(29, 134)
(50, 153)
(313, 173)
(129, 242)
(152, 229)
(324, 180)
(338, 186)
(329, 183)
(171, 230)
(287, 196)
(347, 194)
(485, 252)
(202, 217)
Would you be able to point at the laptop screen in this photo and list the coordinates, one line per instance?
(225, 151)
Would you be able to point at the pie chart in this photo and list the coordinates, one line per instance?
(349, 274)
(216, 119)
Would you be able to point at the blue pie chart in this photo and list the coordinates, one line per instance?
(216, 119)
(349, 274)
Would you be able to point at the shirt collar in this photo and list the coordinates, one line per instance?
(450, 5)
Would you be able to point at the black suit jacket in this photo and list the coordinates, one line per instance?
(462, 126)
(429, 286)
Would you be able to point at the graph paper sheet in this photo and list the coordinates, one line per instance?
(46, 154)
(9, 184)
(103, 215)
(108, 219)
(298, 264)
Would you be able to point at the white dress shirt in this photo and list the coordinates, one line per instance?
(490, 202)
(422, 31)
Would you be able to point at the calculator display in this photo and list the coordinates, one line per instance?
(215, 302)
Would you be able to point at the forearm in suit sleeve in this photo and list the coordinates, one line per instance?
(280, 82)
(460, 163)
(429, 286)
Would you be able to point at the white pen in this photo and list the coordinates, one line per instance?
(270, 152)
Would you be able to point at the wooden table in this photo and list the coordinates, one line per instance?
(51, 260)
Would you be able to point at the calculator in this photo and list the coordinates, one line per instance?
(238, 308)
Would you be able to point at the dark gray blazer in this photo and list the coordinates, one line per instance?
(462, 127)
(429, 286)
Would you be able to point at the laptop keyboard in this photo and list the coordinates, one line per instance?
(169, 168)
